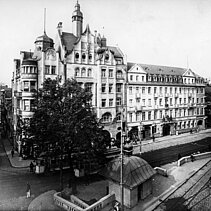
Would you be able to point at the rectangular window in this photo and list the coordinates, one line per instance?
(110, 88)
(88, 87)
(26, 105)
(131, 101)
(155, 115)
(137, 78)
(184, 100)
(143, 102)
(155, 90)
(137, 89)
(170, 90)
(160, 102)
(160, 90)
(119, 87)
(175, 90)
(103, 102)
(138, 115)
(53, 70)
(142, 78)
(155, 100)
(131, 77)
(180, 90)
(149, 102)
(171, 102)
(103, 73)
(161, 113)
(149, 115)
(110, 102)
(201, 100)
(26, 86)
(119, 101)
(111, 73)
(166, 89)
(130, 90)
(47, 69)
(130, 117)
(143, 116)
(180, 101)
(197, 100)
(32, 86)
(143, 90)
(149, 90)
(103, 88)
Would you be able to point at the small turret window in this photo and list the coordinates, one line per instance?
(77, 56)
(83, 56)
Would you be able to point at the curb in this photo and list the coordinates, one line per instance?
(11, 164)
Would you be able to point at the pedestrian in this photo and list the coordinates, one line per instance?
(31, 167)
(191, 157)
(153, 138)
(12, 152)
(28, 190)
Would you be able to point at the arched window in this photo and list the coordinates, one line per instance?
(119, 74)
(83, 72)
(106, 57)
(107, 117)
(77, 72)
(77, 56)
(83, 56)
(89, 74)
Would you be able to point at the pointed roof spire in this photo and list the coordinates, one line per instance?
(44, 19)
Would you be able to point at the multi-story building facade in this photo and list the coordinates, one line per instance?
(164, 100)
(158, 100)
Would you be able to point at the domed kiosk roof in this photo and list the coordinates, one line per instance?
(135, 171)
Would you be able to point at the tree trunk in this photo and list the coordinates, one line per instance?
(72, 178)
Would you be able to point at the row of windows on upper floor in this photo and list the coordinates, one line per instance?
(159, 114)
(180, 90)
(83, 72)
(164, 79)
(167, 101)
(110, 73)
(50, 69)
(154, 115)
(29, 69)
(29, 86)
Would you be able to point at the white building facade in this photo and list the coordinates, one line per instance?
(158, 100)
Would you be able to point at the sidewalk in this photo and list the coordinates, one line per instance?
(15, 161)
(162, 187)
(147, 145)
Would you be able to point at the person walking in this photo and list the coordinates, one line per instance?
(31, 167)
(12, 152)
(28, 190)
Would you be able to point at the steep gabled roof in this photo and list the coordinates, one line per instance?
(158, 69)
(117, 52)
(68, 40)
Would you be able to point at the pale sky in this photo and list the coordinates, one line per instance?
(160, 32)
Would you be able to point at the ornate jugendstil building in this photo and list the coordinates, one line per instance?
(158, 100)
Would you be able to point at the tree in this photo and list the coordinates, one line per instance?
(64, 117)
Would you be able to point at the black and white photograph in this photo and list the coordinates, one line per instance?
(105, 105)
